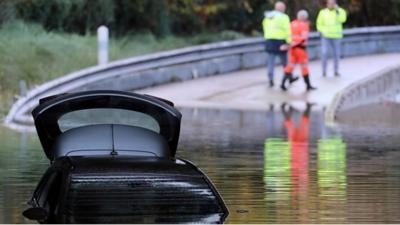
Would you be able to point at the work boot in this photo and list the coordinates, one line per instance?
(271, 83)
(308, 83)
(283, 85)
(288, 76)
(292, 79)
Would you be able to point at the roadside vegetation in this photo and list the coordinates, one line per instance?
(28, 52)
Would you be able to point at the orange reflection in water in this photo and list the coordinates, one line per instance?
(298, 139)
(289, 183)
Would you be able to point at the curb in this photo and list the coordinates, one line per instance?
(359, 90)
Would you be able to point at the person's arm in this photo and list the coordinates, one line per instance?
(320, 22)
(342, 15)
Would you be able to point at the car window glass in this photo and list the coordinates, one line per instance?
(107, 116)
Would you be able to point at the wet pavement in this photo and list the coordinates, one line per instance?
(248, 89)
(281, 165)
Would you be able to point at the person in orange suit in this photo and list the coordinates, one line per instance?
(298, 50)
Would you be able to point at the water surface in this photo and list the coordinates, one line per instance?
(276, 166)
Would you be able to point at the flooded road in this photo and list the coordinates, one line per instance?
(283, 165)
(269, 170)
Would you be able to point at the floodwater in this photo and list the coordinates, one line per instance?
(284, 165)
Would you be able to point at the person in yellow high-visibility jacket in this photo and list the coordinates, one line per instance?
(276, 26)
(330, 24)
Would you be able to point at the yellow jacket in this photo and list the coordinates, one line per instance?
(276, 26)
(330, 22)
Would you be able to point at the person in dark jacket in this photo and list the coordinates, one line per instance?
(276, 26)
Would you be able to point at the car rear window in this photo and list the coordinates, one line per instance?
(107, 116)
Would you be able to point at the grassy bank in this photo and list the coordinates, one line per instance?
(28, 52)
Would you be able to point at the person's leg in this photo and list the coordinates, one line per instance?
(288, 74)
(337, 54)
(304, 69)
(288, 69)
(305, 72)
(284, 58)
(271, 66)
(324, 55)
(306, 76)
(294, 60)
(331, 44)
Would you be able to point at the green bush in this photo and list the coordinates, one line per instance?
(179, 17)
(29, 52)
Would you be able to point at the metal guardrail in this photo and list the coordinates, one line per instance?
(19, 115)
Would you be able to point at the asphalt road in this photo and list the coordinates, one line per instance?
(249, 90)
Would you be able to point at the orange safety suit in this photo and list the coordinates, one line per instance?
(298, 53)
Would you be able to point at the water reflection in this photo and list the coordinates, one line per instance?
(289, 161)
(286, 171)
(332, 183)
(277, 177)
(286, 166)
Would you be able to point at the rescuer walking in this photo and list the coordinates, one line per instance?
(276, 26)
(330, 24)
(300, 29)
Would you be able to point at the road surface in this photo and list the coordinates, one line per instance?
(248, 90)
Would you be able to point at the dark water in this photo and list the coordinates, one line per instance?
(269, 166)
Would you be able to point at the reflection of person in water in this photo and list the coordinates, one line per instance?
(296, 134)
(298, 137)
(286, 173)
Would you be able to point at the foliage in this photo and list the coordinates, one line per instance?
(29, 52)
(183, 17)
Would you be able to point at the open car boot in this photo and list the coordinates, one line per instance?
(112, 160)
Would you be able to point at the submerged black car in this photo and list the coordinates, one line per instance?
(113, 160)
